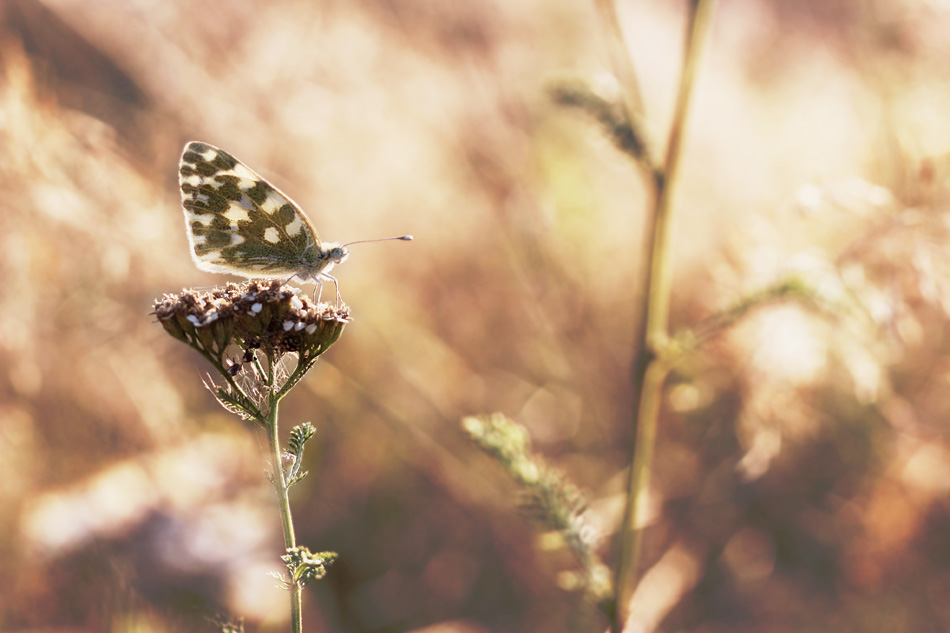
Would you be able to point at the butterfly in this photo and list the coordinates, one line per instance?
(239, 223)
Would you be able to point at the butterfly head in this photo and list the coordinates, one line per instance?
(336, 253)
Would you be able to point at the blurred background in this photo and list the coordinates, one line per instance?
(802, 474)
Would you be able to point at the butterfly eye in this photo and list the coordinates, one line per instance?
(339, 254)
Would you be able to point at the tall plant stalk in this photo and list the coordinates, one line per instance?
(652, 362)
(247, 332)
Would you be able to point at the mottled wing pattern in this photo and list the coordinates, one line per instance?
(240, 224)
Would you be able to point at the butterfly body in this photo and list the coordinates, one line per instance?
(239, 223)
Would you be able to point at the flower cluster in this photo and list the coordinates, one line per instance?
(245, 330)
(270, 316)
(305, 566)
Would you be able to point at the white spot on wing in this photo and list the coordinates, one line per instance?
(272, 202)
(204, 219)
(294, 227)
(241, 171)
(272, 235)
(237, 213)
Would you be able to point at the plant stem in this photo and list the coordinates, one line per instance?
(651, 368)
(620, 58)
(283, 500)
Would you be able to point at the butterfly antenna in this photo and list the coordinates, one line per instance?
(405, 238)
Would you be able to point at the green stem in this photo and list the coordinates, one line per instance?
(248, 403)
(283, 499)
(651, 367)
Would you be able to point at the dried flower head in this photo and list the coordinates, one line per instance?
(247, 329)
(271, 317)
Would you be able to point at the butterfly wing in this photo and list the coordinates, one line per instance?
(239, 223)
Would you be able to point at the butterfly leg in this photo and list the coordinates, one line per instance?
(339, 298)
(317, 289)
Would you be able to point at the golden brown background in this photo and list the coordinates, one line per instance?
(803, 466)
